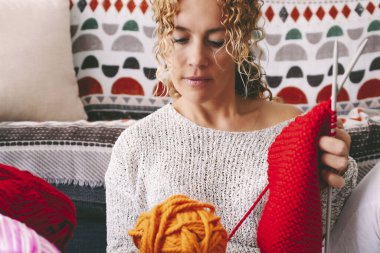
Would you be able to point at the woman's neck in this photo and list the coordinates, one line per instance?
(237, 115)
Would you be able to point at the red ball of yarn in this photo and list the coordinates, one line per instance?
(33, 201)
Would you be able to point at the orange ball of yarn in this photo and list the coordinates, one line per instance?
(181, 225)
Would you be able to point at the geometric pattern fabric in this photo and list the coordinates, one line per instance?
(113, 41)
(298, 51)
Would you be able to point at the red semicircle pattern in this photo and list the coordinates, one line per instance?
(292, 95)
(89, 86)
(325, 93)
(127, 86)
(369, 89)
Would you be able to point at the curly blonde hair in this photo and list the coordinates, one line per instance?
(240, 19)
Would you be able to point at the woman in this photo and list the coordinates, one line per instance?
(211, 143)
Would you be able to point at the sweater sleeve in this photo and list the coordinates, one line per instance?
(122, 195)
(339, 196)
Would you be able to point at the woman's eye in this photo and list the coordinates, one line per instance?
(180, 41)
(216, 44)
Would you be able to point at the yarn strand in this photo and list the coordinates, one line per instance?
(248, 212)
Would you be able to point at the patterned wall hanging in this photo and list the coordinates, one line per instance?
(112, 46)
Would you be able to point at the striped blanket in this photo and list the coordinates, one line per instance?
(61, 152)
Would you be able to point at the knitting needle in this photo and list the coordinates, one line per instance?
(352, 63)
(332, 133)
(334, 93)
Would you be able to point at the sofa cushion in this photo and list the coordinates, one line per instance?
(37, 78)
(365, 146)
(363, 125)
(298, 51)
(112, 47)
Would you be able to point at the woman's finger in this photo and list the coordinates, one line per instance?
(339, 163)
(342, 134)
(333, 179)
(333, 145)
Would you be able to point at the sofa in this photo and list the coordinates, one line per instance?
(75, 73)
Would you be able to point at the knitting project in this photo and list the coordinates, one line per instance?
(180, 224)
(292, 217)
(37, 204)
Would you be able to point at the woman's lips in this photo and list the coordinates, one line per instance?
(197, 81)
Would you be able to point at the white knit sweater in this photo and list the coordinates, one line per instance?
(165, 154)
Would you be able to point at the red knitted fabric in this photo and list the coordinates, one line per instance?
(31, 200)
(292, 217)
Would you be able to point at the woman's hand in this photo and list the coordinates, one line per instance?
(335, 156)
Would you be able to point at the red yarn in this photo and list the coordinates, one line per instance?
(292, 217)
(33, 201)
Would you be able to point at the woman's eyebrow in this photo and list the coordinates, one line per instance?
(212, 30)
(181, 28)
(215, 30)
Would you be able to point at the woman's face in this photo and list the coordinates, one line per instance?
(200, 68)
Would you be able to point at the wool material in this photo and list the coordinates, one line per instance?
(34, 202)
(180, 224)
(166, 154)
(292, 218)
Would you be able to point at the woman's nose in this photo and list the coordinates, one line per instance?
(197, 56)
